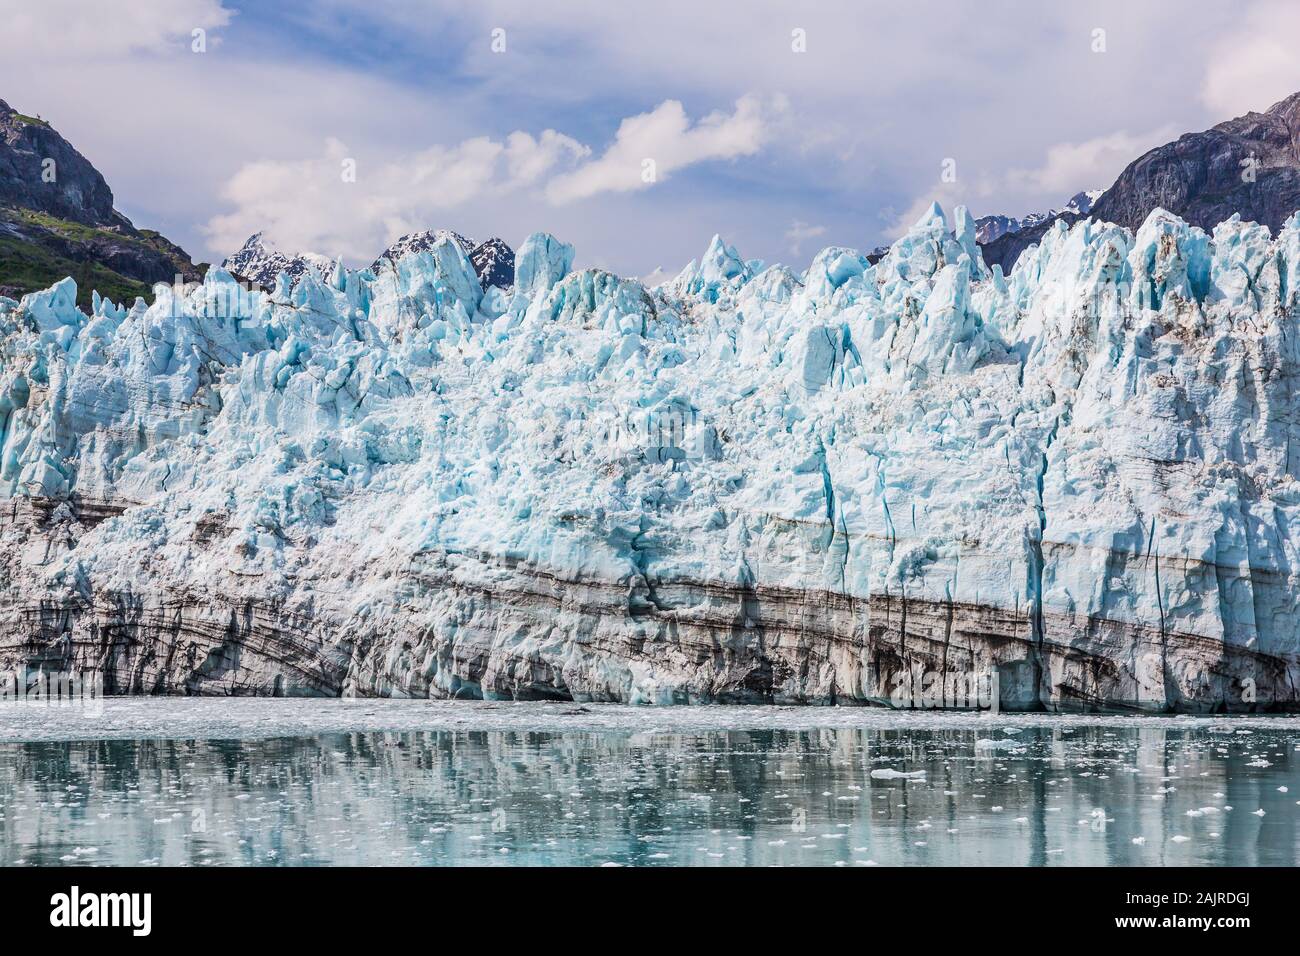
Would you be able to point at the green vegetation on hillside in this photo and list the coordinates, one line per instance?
(76, 231)
(37, 250)
(26, 267)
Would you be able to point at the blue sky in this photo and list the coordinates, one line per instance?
(781, 150)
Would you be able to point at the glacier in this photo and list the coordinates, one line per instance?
(746, 485)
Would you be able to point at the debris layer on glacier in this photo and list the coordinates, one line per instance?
(746, 485)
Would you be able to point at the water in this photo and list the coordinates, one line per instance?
(1012, 791)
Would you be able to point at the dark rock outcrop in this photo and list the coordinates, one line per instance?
(40, 170)
(1248, 166)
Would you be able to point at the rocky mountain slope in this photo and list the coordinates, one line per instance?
(57, 219)
(418, 242)
(492, 259)
(259, 263)
(1248, 166)
(740, 486)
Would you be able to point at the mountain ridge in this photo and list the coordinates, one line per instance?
(259, 263)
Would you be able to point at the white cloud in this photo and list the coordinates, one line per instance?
(181, 126)
(665, 138)
(75, 29)
(800, 232)
(306, 204)
(1254, 65)
(1092, 164)
(310, 204)
(529, 159)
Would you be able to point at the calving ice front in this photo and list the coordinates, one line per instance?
(77, 909)
(1082, 478)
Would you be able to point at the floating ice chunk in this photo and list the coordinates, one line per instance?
(888, 773)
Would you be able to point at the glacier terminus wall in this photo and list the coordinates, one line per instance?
(746, 485)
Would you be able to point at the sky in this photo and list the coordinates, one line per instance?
(634, 131)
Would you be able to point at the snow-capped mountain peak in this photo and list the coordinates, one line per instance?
(1081, 203)
(257, 261)
(494, 261)
(415, 242)
(989, 228)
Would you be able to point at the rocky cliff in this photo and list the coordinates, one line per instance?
(738, 486)
(57, 219)
(1248, 166)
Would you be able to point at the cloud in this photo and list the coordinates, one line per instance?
(388, 79)
(310, 205)
(650, 146)
(529, 159)
(1254, 66)
(340, 203)
(75, 29)
(800, 232)
(1092, 164)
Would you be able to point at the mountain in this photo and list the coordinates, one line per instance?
(493, 260)
(747, 485)
(1005, 250)
(988, 228)
(57, 219)
(1081, 203)
(259, 263)
(418, 242)
(991, 228)
(1248, 166)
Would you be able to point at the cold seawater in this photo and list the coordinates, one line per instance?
(272, 782)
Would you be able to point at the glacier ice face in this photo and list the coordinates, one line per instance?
(744, 485)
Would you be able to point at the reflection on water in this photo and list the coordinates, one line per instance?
(1088, 795)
